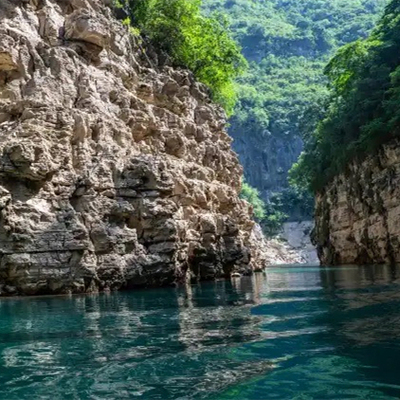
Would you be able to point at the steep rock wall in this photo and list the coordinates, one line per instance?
(358, 214)
(266, 157)
(113, 174)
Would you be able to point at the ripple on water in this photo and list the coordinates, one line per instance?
(296, 333)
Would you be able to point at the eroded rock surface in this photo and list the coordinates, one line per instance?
(112, 174)
(358, 215)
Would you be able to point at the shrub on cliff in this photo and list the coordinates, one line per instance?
(202, 44)
(252, 196)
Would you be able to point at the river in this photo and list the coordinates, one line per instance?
(296, 332)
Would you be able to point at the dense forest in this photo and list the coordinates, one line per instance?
(363, 109)
(287, 45)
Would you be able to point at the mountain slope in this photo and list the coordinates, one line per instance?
(363, 109)
(287, 44)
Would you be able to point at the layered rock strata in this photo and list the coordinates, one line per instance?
(113, 173)
(358, 214)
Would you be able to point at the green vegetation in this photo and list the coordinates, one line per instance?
(363, 110)
(252, 196)
(294, 201)
(287, 44)
(269, 215)
(274, 217)
(194, 41)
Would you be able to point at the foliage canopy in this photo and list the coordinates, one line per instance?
(268, 214)
(363, 110)
(287, 44)
(252, 196)
(282, 94)
(200, 43)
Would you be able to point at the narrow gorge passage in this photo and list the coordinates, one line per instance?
(141, 257)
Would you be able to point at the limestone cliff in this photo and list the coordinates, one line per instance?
(358, 215)
(266, 158)
(114, 173)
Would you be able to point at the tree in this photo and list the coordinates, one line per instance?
(200, 43)
(363, 109)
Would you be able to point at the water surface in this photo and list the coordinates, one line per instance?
(294, 333)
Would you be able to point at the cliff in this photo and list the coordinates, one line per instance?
(358, 214)
(114, 173)
(266, 157)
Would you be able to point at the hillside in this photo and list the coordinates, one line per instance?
(287, 44)
(362, 111)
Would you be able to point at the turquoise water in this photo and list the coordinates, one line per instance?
(294, 333)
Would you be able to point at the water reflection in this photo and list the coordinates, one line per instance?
(311, 332)
(155, 343)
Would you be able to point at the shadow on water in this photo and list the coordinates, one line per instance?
(156, 343)
(296, 333)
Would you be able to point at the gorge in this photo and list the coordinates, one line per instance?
(116, 169)
(119, 122)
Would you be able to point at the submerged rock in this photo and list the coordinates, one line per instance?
(113, 174)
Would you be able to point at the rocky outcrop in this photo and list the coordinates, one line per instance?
(358, 214)
(113, 173)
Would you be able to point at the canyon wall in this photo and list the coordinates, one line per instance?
(266, 157)
(114, 172)
(358, 214)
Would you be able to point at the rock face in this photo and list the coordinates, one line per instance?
(358, 215)
(297, 236)
(266, 157)
(113, 174)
